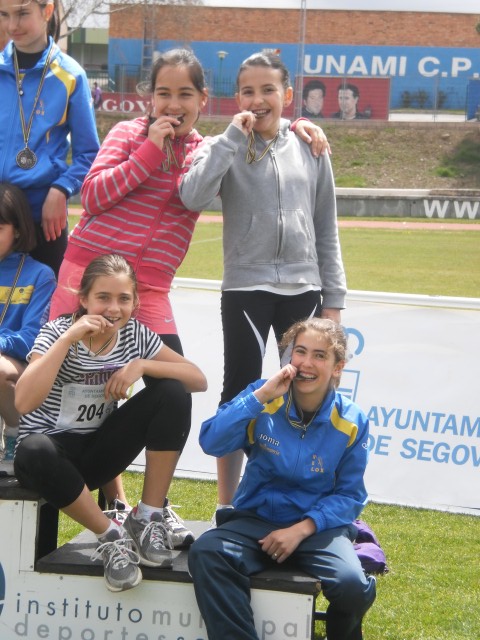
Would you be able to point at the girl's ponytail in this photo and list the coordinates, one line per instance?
(53, 27)
(54, 23)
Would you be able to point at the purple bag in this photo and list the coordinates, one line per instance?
(368, 549)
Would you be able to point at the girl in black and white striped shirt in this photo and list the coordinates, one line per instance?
(75, 438)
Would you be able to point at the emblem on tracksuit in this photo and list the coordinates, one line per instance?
(317, 464)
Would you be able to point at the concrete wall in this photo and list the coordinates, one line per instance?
(460, 204)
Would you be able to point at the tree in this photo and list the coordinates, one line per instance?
(74, 13)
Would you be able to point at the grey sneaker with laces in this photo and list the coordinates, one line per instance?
(180, 536)
(117, 511)
(151, 539)
(120, 562)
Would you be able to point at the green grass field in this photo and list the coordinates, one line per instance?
(433, 587)
(429, 262)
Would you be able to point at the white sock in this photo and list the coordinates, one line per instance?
(144, 511)
(224, 506)
(112, 525)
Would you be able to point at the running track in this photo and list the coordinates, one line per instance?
(363, 223)
(387, 224)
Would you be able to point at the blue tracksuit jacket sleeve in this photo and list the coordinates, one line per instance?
(23, 320)
(226, 431)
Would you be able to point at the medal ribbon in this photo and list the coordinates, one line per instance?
(252, 152)
(12, 288)
(27, 128)
(171, 157)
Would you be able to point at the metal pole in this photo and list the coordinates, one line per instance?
(221, 57)
(297, 104)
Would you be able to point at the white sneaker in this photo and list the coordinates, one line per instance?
(179, 534)
(150, 539)
(213, 522)
(120, 561)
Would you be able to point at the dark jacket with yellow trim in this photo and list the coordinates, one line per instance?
(28, 309)
(294, 473)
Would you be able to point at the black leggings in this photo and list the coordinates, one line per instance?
(50, 252)
(246, 319)
(57, 466)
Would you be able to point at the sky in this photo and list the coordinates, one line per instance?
(440, 6)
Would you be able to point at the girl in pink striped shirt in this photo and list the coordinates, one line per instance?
(130, 196)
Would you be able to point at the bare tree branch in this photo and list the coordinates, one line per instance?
(75, 13)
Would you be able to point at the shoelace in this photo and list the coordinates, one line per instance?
(173, 519)
(158, 535)
(119, 554)
(116, 511)
(119, 516)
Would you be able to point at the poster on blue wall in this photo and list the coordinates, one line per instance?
(421, 77)
(345, 99)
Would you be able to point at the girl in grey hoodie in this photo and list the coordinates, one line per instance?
(282, 257)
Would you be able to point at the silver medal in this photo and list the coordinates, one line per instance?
(26, 159)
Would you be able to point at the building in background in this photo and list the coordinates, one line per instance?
(88, 44)
(428, 56)
(403, 57)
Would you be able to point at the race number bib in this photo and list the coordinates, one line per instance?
(83, 407)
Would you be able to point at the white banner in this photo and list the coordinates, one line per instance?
(414, 370)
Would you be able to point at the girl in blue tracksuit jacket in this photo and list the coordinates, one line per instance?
(303, 486)
(26, 287)
(45, 110)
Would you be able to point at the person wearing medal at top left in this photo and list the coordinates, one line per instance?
(45, 100)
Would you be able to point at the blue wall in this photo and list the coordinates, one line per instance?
(430, 69)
